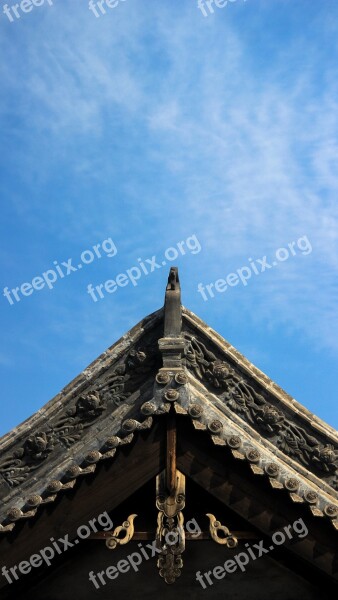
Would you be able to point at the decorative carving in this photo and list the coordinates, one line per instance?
(311, 497)
(331, 511)
(54, 486)
(171, 395)
(114, 441)
(14, 514)
(253, 456)
(68, 428)
(272, 470)
(128, 528)
(181, 378)
(234, 442)
(93, 457)
(73, 471)
(13, 471)
(148, 408)
(163, 378)
(170, 536)
(226, 538)
(170, 567)
(121, 383)
(239, 395)
(34, 501)
(128, 376)
(38, 446)
(131, 425)
(215, 426)
(325, 458)
(270, 418)
(16, 468)
(292, 485)
(89, 406)
(195, 411)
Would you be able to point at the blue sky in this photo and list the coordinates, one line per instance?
(147, 126)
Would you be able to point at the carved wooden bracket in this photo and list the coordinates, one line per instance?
(128, 527)
(170, 536)
(226, 538)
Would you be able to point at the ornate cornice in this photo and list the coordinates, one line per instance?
(252, 396)
(95, 401)
(170, 358)
(190, 400)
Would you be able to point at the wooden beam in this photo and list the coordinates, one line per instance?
(171, 453)
(250, 497)
(150, 535)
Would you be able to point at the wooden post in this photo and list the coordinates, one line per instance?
(171, 453)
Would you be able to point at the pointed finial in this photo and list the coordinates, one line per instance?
(172, 305)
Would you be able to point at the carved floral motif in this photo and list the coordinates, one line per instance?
(325, 458)
(271, 419)
(69, 427)
(127, 377)
(90, 406)
(243, 399)
(16, 468)
(38, 446)
(13, 471)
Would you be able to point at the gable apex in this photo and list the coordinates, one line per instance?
(171, 358)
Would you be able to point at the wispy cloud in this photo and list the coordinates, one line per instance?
(154, 123)
(254, 156)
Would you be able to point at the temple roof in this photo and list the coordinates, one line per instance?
(170, 358)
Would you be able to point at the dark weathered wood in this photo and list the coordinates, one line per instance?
(171, 452)
(233, 484)
(150, 535)
(112, 483)
(172, 305)
(264, 579)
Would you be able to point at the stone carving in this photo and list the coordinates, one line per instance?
(89, 406)
(36, 448)
(243, 399)
(69, 427)
(116, 389)
(14, 471)
(127, 377)
(326, 457)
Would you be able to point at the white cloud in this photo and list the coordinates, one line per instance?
(253, 153)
